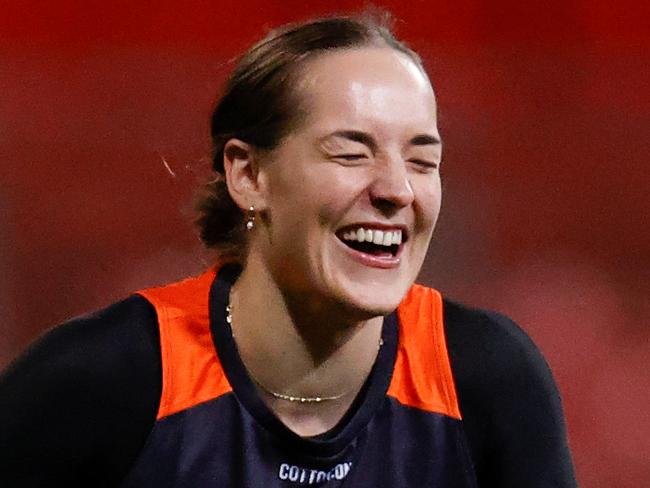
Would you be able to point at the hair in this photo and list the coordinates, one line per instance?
(259, 107)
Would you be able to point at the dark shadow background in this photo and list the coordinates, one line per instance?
(545, 111)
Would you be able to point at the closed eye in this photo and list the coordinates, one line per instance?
(424, 165)
(350, 157)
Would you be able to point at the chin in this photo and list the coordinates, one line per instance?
(365, 301)
(363, 290)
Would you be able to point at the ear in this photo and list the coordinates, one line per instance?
(241, 167)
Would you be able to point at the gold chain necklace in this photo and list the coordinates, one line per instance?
(283, 396)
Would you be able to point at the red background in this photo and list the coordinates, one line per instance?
(545, 111)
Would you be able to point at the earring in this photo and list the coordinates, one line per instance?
(250, 218)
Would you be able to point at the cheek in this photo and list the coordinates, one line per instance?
(327, 213)
(428, 201)
(299, 222)
(334, 192)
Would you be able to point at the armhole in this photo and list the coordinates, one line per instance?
(191, 369)
(161, 320)
(442, 355)
(422, 376)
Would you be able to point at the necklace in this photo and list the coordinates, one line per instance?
(283, 396)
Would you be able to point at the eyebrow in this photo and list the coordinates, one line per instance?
(368, 140)
(355, 136)
(425, 140)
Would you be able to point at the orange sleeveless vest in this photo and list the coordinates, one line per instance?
(192, 373)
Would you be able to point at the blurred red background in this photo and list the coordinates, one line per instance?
(545, 112)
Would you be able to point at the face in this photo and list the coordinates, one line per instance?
(352, 195)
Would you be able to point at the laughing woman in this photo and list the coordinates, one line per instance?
(307, 356)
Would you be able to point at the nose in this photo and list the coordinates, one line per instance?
(391, 188)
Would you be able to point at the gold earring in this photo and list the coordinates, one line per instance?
(250, 218)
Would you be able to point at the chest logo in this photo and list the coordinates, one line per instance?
(308, 476)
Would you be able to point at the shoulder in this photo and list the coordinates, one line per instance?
(477, 339)
(88, 359)
(88, 384)
(112, 334)
(494, 361)
(488, 339)
(510, 404)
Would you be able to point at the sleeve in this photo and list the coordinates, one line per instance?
(510, 404)
(78, 405)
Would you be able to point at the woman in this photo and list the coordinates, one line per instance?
(307, 356)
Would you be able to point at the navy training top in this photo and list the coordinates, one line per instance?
(85, 407)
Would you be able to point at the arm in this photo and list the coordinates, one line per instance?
(78, 405)
(510, 404)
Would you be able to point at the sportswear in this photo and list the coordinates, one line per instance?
(151, 392)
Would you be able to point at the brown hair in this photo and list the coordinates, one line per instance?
(257, 106)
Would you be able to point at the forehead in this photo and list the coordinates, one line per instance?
(374, 88)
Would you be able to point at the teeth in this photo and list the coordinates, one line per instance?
(379, 237)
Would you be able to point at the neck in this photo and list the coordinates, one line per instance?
(301, 346)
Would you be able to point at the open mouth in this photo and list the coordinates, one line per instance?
(380, 243)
